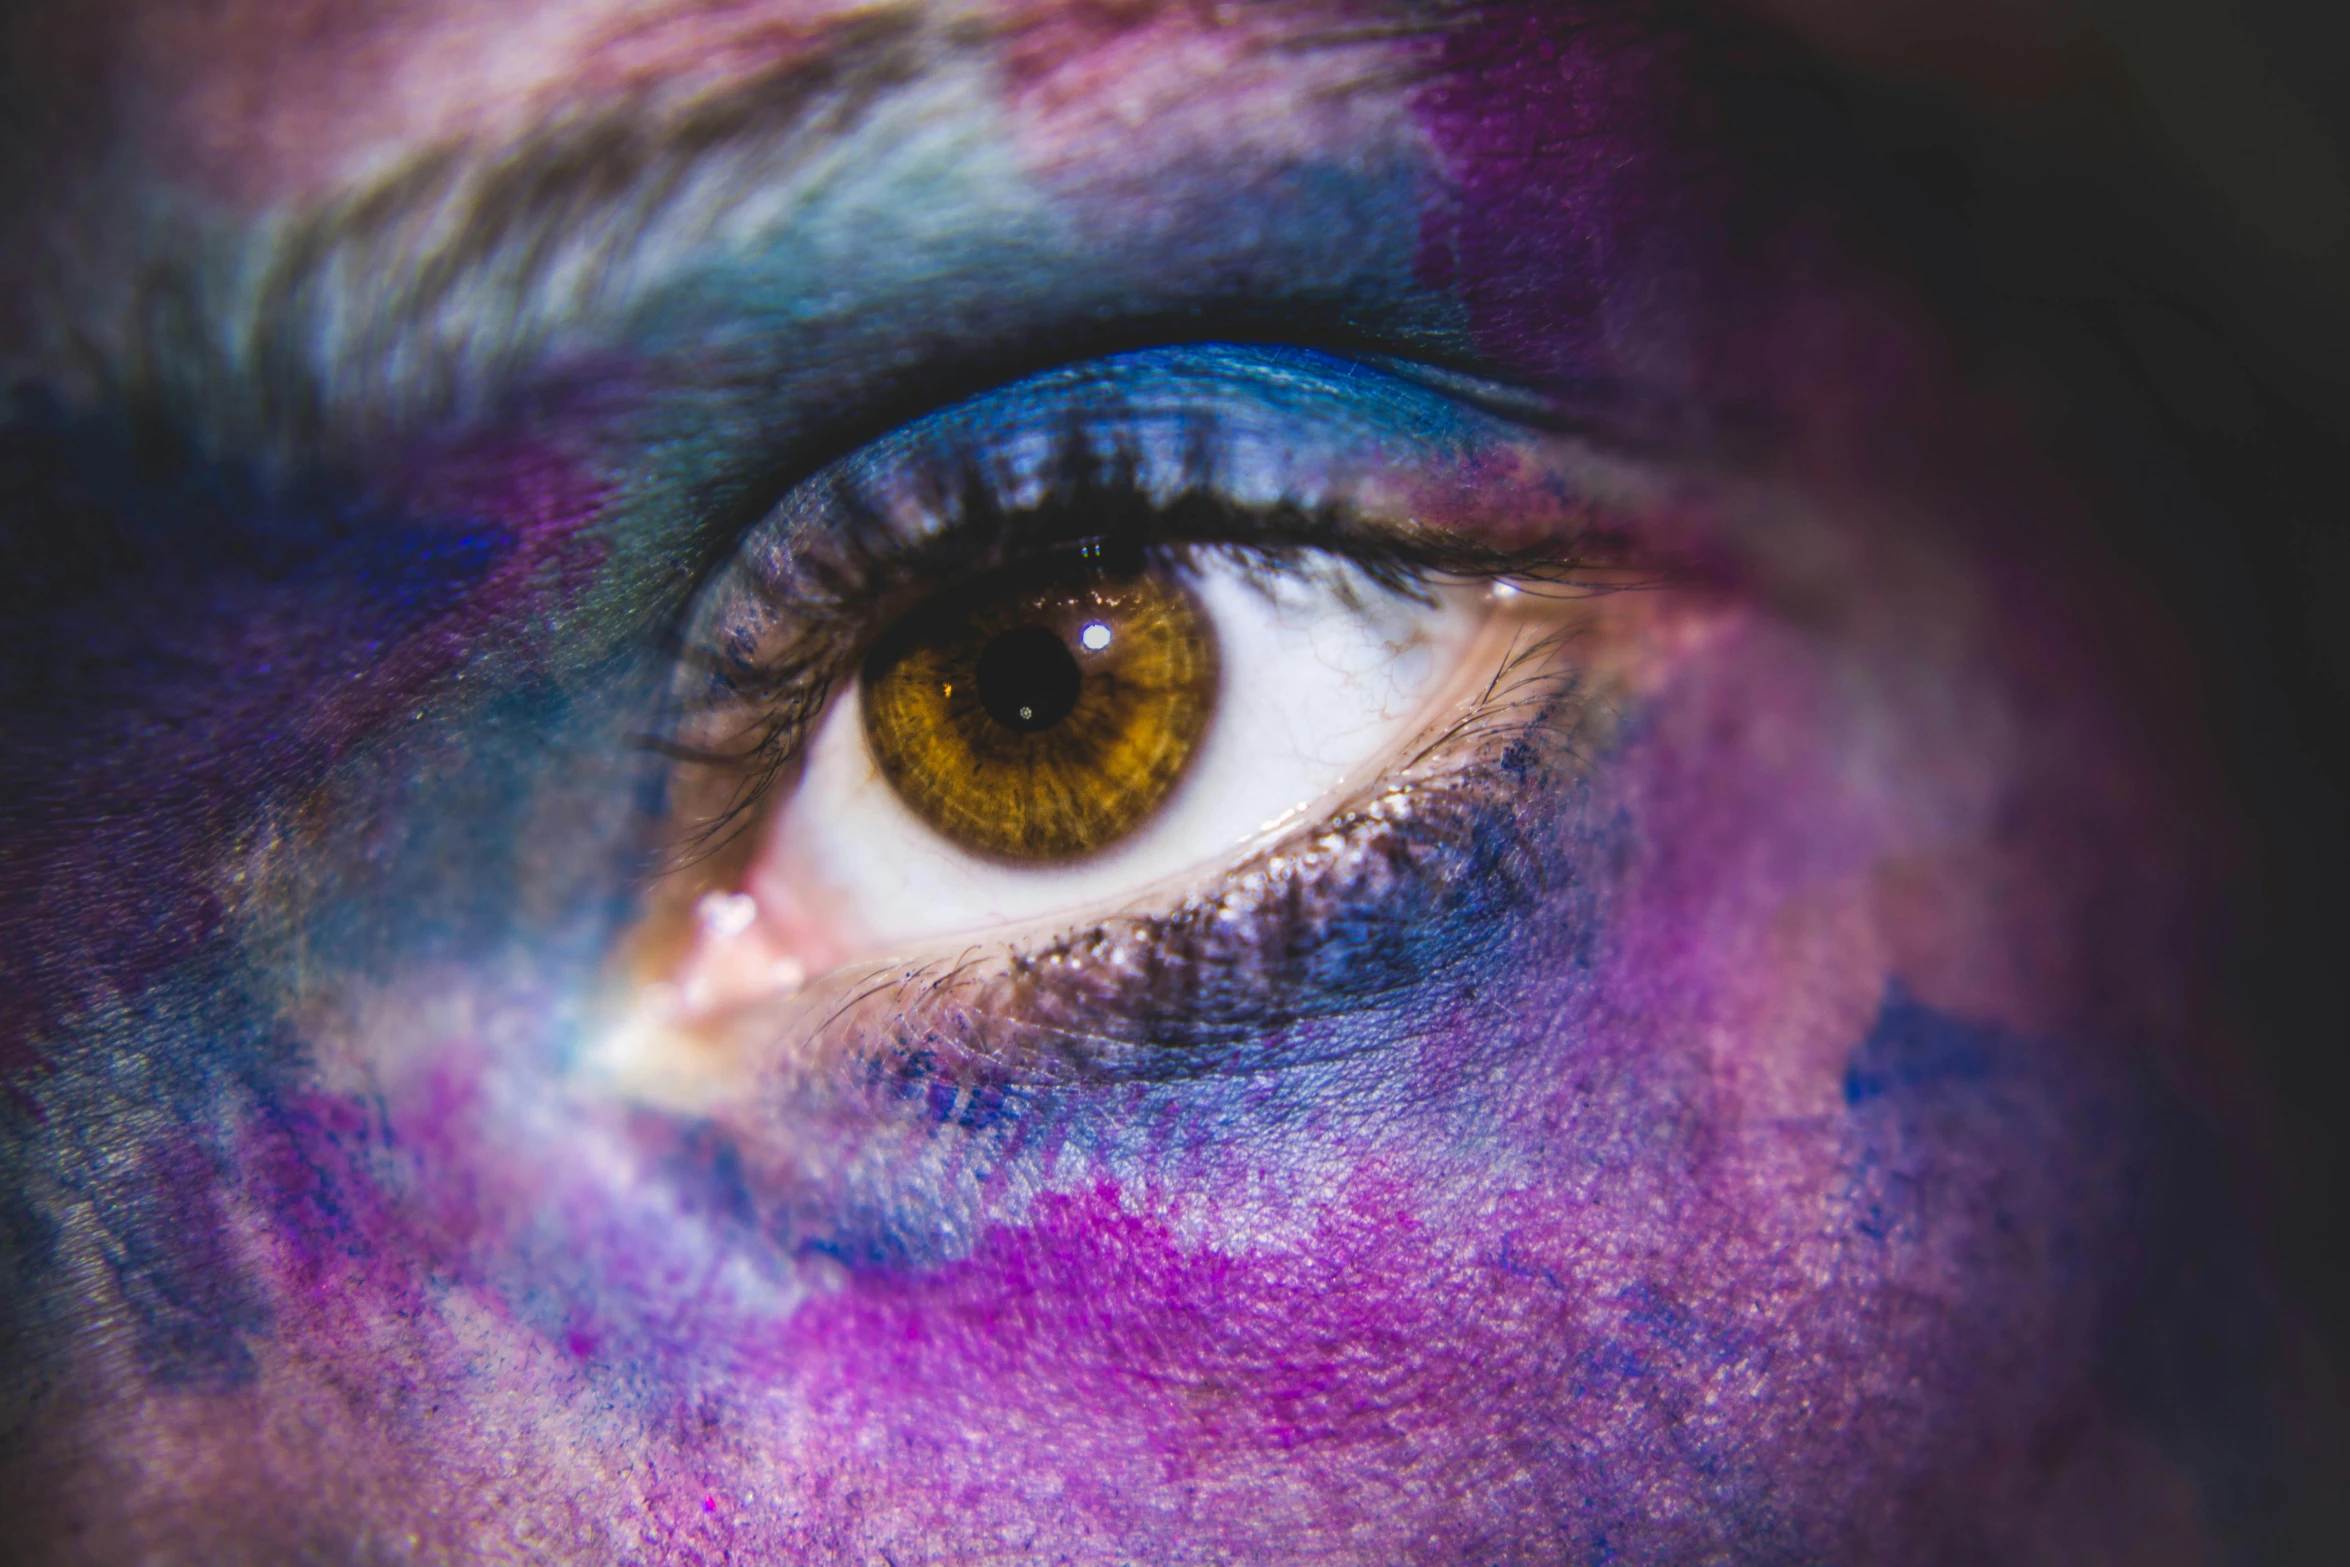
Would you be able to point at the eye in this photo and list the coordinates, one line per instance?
(1227, 699)
(1233, 641)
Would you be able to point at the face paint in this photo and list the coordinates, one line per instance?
(1682, 1109)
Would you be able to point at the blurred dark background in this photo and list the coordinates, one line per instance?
(2148, 201)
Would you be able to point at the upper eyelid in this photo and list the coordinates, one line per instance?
(1087, 419)
(795, 676)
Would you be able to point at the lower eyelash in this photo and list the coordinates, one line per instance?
(1396, 893)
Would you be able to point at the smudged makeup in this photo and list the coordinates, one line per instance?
(1113, 783)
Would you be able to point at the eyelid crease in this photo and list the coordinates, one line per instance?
(1620, 417)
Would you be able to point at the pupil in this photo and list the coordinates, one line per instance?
(1027, 680)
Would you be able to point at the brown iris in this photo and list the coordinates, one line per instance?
(1043, 722)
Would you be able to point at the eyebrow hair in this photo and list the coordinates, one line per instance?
(424, 294)
(420, 294)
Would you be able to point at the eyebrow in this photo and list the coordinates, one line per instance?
(421, 294)
(424, 295)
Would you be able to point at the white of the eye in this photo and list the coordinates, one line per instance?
(1325, 674)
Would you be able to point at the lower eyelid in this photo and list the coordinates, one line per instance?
(1214, 985)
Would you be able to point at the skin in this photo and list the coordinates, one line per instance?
(1852, 1153)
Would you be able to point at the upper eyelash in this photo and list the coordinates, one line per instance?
(849, 582)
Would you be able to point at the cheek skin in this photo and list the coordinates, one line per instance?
(1707, 1242)
(1775, 1192)
(1775, 1200)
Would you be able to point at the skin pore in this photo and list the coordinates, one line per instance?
(1800, 1113)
